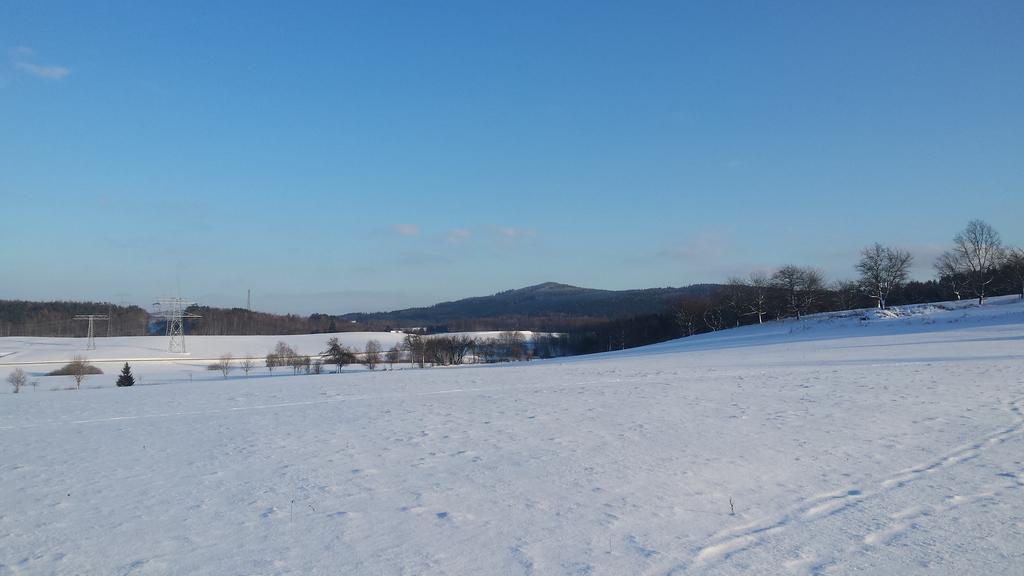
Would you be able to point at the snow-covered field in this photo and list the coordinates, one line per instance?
(893, 445)
(150, 355)
(200, 348)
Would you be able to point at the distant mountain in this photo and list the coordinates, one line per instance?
(545, 306)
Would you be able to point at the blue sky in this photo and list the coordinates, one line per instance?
(340, 157)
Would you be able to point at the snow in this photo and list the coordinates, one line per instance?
(111, 353)
(34, 350)
(888, 445)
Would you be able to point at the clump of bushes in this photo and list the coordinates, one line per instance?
(75, 368)
(78, 369)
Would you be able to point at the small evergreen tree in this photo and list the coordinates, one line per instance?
(126, 378)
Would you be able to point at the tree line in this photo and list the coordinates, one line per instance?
(241, 321)
(25, 318)
(445, 350)
(415, 349)
(977, 265)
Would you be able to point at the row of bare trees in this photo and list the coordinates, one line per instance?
(372, 356)
(415, 349)
(454, 349)
(791, 290)
(977, 261)
(285, 356)
(976, 264)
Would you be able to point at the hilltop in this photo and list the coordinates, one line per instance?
(550, 306)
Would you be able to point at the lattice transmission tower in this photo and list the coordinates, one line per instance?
(90, 342)
(174, 311)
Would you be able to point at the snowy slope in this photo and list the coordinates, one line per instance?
(884, 446)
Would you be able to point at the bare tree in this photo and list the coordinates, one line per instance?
(544, 345)
(459, 346)
(318, 366)
(950, 271)
(882, 270)
(979, 250)
(513, 344)
(449, 350)
(284, 352)
(394, 355)
(304, 363)
(714, 318)
(17, 379)
(224, 364)
(417, 349)
(1014, 263)
(371, 357)
(299, 363)
(79, 368)
(487, 350)
(802, 287)
(846, 293)
(759, 287)
(734, 296)
(788, 280)
(281, 355)
(687, 312)
(812, 289)
(247, 365)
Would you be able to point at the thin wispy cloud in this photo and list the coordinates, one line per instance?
(23, 58)
(510, 233)
(458, 236)
(39, 71)
(405, 229)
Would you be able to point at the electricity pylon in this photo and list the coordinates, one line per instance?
(173, 310)
(90, 343)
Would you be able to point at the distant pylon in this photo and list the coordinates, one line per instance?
(90, 342)
(173, 310)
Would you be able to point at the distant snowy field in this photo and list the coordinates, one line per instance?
(149, 355)
(892, 445)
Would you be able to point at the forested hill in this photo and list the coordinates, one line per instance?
(548, 306)
(25, 318)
